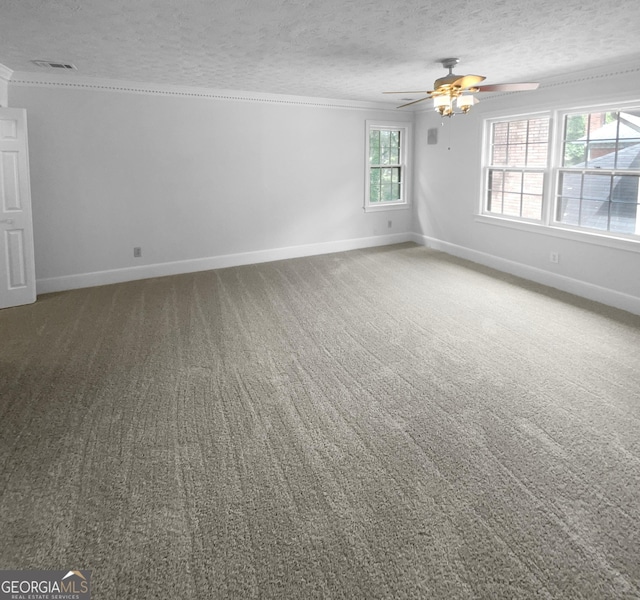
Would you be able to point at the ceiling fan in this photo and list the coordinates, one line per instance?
(461, 89)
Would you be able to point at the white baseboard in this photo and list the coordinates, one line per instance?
(554, 280)
(82, 280)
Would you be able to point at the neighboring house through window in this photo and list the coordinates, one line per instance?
(598, 181)
(517, 164)
(591, 186)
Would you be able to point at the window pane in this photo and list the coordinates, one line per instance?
(596, 187)
(385, 175)
(539, 131)
(532, 206)
(628, 154)
(575, 127)
(511, 204)
(606, 203)
(604, 140)
(533, 183)
(386, 192)
(500, 132)
(395, 175)
(574, 154)
(537, 155)
(568, 211)
(495, 202)
(375, 176)
(520, 143)
(395, 191)
(602, 121)
(518, 132)
(394, 156)
(625, 189)
(374, 155)
(395, 139)
(570, 185)
(601, 154)
(496, 180)
(624, 217)
(594, 214)
(517, 155)
(385, 137)
(374, 192)
(499, 155)
(513, 181)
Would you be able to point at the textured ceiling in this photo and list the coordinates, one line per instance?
(348, 49)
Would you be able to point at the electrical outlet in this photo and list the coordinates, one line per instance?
(137, 252)
(554, 257)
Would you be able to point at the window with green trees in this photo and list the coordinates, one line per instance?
(386, 165)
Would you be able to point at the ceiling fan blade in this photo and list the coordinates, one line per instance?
(414, 102)
(508, 87)
(414, 92)
(467, 81)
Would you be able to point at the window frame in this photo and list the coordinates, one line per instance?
(488, 167)
(548, 225)
(559, 169)
(403, 164)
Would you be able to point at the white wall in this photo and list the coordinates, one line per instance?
(200, 182)
(197, 182)
(447, 194)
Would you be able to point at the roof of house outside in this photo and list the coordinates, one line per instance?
(629, 129)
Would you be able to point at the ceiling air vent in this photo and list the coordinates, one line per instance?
(55, 64)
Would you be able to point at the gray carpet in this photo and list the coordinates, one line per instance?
(384, 423)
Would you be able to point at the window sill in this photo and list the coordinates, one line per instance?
(382, 207)
(586, 237)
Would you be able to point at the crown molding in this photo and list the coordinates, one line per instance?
(79, 82)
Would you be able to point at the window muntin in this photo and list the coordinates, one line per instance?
(518, 157)
(386, 165)
(598, 182)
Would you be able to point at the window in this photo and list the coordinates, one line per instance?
(387, 177)
(592, 185)
(598, 179)
(517, 163)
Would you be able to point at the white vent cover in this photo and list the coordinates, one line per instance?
(55, 64)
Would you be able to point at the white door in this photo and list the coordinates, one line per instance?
(17, 270)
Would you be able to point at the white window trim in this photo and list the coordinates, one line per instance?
(486, 167)
(548, 225)
(405, 147)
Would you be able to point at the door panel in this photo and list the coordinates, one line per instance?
(17, 271)
(9, 181)
(15, 258)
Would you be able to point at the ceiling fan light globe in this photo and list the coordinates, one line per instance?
(466, 102)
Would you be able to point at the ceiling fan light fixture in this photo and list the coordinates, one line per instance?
(443, 104)
(465, 102)
(460, 89)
